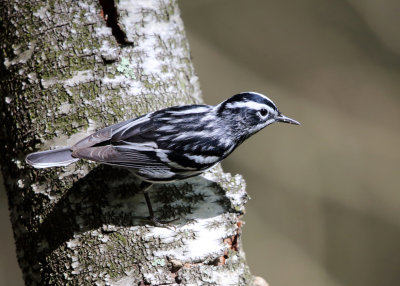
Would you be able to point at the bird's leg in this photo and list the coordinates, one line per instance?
(145, 187)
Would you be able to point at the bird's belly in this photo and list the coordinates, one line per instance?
(154, 175)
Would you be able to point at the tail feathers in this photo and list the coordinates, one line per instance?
(51, 158)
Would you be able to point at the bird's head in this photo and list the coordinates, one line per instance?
(249, 112)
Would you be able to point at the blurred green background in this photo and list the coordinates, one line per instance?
(325, 206)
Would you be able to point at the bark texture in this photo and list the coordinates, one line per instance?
(69, 68)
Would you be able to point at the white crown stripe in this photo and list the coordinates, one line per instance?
(249, 104)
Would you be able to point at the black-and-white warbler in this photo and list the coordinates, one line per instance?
(171, 144)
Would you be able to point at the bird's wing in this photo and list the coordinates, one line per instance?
(120, 156)
(104, 135)
(185, 138)
(108, 146)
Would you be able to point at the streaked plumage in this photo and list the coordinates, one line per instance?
(173, 143)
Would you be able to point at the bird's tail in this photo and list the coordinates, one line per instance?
(51, 158)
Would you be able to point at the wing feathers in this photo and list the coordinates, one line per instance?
(121, 156)
(104, 134)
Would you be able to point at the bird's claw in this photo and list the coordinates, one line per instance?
(166, 224)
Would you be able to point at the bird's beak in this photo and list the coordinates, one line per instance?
(283, 118)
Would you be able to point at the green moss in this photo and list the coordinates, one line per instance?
(124, 67)
(120, 238)
(158, 262)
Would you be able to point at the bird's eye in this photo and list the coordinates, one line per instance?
(263, 112)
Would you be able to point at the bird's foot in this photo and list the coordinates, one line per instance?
(166, 224)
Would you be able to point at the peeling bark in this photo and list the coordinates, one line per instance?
(69, 68)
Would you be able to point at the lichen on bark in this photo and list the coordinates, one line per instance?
(65, 74)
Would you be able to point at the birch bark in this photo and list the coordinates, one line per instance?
(69, 68)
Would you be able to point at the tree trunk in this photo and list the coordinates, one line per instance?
(69, 68)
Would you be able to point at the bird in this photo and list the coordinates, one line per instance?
(171, 144)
